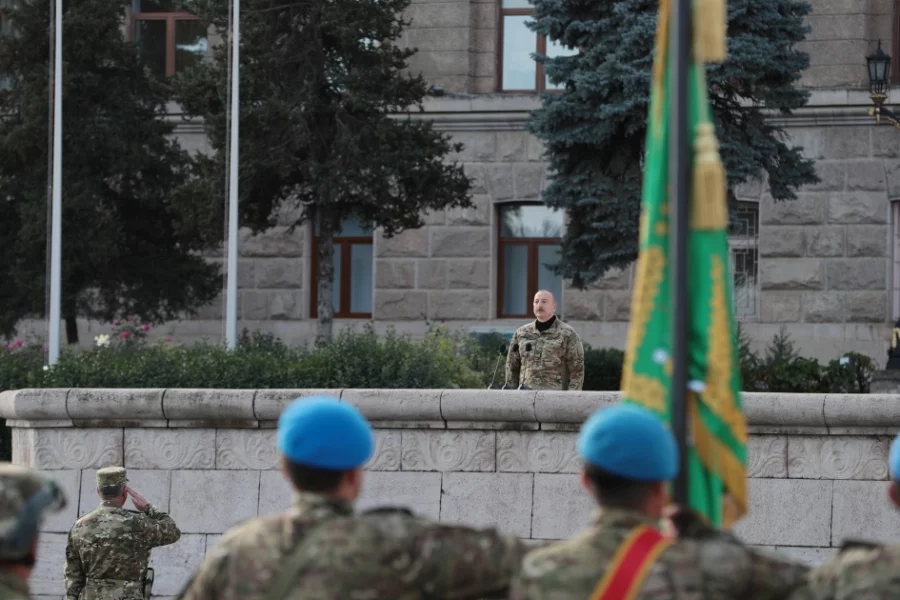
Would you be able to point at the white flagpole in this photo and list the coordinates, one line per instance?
(231, 286)
(56, 228)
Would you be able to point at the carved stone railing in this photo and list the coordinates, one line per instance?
(817, 463)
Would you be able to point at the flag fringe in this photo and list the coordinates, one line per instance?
(710, 24)
(710, 208)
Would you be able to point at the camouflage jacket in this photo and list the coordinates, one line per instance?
(716, 567)
(858, 572)
(380, 554)
(12, 587)
(108, 551)
(548, 360)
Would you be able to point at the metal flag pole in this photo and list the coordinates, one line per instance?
(231, 285)
(679, 195)
(56, 210)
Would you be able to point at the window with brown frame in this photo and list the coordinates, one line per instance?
(517, 71)
(170, 40)
(352, 291)
(529, 240)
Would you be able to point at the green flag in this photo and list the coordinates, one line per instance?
(717, 440)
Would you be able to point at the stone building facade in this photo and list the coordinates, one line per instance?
(825, 266)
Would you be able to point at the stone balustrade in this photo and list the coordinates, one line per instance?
(817, 462)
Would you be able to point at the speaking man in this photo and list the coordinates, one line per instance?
(545, 354)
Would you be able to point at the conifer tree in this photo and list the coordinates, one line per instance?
(125, 248)
(594, 132)
(323, 89)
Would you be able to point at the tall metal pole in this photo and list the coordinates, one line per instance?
(231, 286)
(56, 216)
(679, 197)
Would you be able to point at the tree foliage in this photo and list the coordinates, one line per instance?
(321, 86)
(594, 132)
(124, 248)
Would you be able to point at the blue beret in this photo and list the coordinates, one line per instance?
(630, 442)
(324, 433)
(894, 459)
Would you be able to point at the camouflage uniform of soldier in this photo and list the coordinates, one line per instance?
(630, 456)
(25, 497)
(545, 354)
(860, 570)
(320, 549)
(108, 550)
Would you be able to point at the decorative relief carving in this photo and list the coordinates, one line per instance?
(538, 452)
(161, 449)
(767, 456)
(387, 451)
(838, 457)
(250, 449)
(448, 451)
(76, 449)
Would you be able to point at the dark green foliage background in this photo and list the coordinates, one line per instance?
(594, 133)
(127, 246)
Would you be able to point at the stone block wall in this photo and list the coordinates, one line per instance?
(817, 463)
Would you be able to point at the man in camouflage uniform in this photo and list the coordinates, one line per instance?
(630, 457)
(546, 354)
(320, 549)
(860, 569)
(108, 550)
(25, 497)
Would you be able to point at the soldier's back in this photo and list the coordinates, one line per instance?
(114, 550)
(387, 554)
(865, 572)
(688, 569)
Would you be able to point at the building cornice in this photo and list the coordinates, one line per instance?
(510, 112)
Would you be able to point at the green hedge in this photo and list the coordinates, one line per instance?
(367, 360)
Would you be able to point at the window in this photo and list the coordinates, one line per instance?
(743, 238)
(171, 41)
(353, 283)
(6, 25)
(529, 240)
(895, 266)
(518, 71)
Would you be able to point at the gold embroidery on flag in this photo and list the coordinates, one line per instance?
(650, 272)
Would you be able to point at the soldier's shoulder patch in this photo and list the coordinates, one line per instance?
(389, 510)
(854, 544)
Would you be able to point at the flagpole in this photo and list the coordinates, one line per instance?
(679, 176)
(231, 286)
(56, 210)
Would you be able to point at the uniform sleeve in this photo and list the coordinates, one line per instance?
(460, 562)
(513, 362)
(75, 576)
(772, 577)
(575, 362)
(158, 528)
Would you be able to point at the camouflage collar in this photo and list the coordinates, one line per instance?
(320, 506)
(620, 518)
(9, 581)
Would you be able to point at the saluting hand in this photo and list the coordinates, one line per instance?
(140, 502)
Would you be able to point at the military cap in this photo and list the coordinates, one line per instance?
(631, 442)
(25, 496)
(894, 459)
(111, 477)
(324, 433)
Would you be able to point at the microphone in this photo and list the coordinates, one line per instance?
(502, 352)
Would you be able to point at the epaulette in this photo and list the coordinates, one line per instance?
(386, 510)
(852, 544)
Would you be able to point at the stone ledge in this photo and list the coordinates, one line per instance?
(480, 409)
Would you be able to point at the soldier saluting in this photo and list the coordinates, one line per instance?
(108, 551)
(545, 354)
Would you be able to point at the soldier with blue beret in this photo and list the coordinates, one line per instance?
(861, 569)
(321, 548)
(629, 457)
